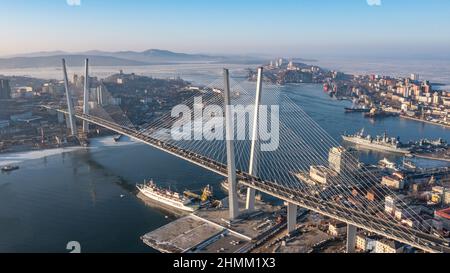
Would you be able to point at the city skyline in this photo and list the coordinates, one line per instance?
(293, 28)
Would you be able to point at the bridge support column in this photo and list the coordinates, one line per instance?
(229, 127)
(291, 217)
(253, 168)
(72, 124)
(86, 97)
(351, 238)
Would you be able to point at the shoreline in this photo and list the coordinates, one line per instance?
(18, 157)
(425, 121)
(429, 157)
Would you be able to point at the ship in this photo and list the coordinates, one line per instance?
(9, 168)
(379, 143)
(379, 113)
(387, 164)
(356, 108)
(167, 197)
(117, 138)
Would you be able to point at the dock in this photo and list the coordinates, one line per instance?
(210, 231)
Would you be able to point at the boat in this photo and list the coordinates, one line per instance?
(166, 197)
(117, 138)
(409, 164)
(379, 113)
(9, 168)
(387, 164)
(356, 108)
(379, 143)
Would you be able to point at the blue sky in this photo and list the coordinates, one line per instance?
(306, 28)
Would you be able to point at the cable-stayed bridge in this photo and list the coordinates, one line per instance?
(308, 168)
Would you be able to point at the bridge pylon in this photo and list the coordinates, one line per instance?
(291, 217)
(231, 164)
(253, 168)
(86, 97)
(72, 124)
(351, 238)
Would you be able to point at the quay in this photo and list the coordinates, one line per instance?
(210, 231)
(436, 157)
(425, 121)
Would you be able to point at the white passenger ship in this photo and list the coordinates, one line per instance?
(167, 197)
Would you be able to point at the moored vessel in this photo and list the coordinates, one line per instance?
(166, 197)
(378, 143)
(9, 168)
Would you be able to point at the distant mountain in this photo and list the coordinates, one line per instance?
(38, 54)
(119, 58)
(162, 56)
(55, 61)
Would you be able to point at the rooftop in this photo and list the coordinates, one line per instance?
(445, 213)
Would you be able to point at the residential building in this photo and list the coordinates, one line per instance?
(321, 174)
(337, 228)
(365, 243)
(5, 89)
(393, 182)
(388, 246)
(443, 216)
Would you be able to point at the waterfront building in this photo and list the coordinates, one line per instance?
(322, 174)
(426, 87)
(373, 195)
(443, 216)
(436, 98)
(393, 182)
(414, 77)
(343, 160)
(365, 243)
(389, 246)
(390, 204)
(446, 198)
(337, 228)
(437, 195)
(99, 95)
(5, 89)
(24, 92)
(53, 89)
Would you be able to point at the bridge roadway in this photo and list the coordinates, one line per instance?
(375, 224)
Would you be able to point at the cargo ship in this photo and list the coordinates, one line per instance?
(379, 143)
(167, 197)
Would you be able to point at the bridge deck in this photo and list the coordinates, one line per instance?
(372, 223)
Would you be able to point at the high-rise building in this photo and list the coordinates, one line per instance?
(5, 89)
(343, 160)
(414, 77)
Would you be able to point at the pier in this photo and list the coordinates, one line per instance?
(211, 231)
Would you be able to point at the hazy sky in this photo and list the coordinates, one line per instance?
(306, 28)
